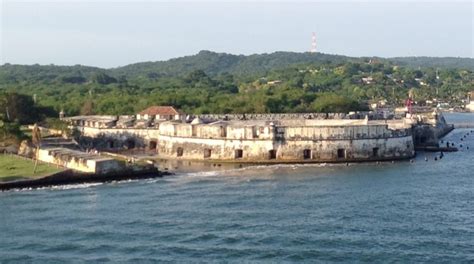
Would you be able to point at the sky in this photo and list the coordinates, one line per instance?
(107, 33)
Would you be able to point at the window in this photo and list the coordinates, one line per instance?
(179, 152)
(153, 144)
(375, 152)
(306, 154)
(239, 153)
(272, 154)
(207, 153)
(130, 144)
(341, 153)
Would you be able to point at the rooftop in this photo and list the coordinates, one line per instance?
(76, 154)
(161, 110)
(98, 118)
(392, 124)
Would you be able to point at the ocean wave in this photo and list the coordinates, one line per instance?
(269, 166)
(254, 169)
(205, 173)
(59, 187)
(265, 169)
(72, 186)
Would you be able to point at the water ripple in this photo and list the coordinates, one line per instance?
(404, 212)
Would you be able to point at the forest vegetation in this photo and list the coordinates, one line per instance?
(210, 82)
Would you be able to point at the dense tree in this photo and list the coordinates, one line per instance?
(73, 79)
(333, 103)
(10, 131)
(87, 108)
(102, 78)
(19, 108)
(212, 82)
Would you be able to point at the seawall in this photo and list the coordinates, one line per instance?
(74, 177)
(269, 143)
(428, 133)
(276, 138)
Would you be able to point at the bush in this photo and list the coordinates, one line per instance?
(333, 103)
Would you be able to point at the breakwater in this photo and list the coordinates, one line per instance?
(75, 177)
(282, 142)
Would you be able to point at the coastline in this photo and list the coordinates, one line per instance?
(282, 161)
(74, 177)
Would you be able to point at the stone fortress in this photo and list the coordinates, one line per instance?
(260, 138)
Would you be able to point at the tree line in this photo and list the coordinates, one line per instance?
(284, 82)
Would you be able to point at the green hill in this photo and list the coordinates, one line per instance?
(217, 63)
(11, 73)
(435, 62)
(211, 63)
(210, 82)
(257, 64)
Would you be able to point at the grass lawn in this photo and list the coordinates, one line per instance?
(14, 168)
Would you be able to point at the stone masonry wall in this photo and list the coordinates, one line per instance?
(316, 144)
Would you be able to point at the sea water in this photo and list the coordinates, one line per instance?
(420, 211)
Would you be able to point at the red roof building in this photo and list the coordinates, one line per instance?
(161, 113)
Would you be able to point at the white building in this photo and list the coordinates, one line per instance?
(80, 161)
(470, 102)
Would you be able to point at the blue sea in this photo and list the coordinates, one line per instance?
(402, 212)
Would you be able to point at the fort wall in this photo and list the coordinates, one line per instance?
(115, 138)
(268, 137)
(281, 116)
(272, 143)
(79, 161)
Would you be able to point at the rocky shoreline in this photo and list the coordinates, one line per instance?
(74, 177)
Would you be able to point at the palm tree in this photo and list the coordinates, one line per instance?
(36, 138)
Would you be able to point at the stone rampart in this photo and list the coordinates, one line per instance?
(307, 137)
(270, 116)
(270, 143)
(118, 138)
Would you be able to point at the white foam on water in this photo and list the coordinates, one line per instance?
(254, 169)
(72, 186)
(263, 170)
(205, 173)
(58, 187)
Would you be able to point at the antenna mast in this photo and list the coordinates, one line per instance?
(313, 43)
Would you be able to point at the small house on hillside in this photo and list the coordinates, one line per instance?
(161, 113)
(470, 102)
(368, 80)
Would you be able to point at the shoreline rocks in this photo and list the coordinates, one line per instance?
(74, 177)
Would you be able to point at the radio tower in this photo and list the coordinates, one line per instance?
(313, 43)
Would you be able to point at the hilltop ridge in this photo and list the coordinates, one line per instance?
(211, 82)
(213, 63)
